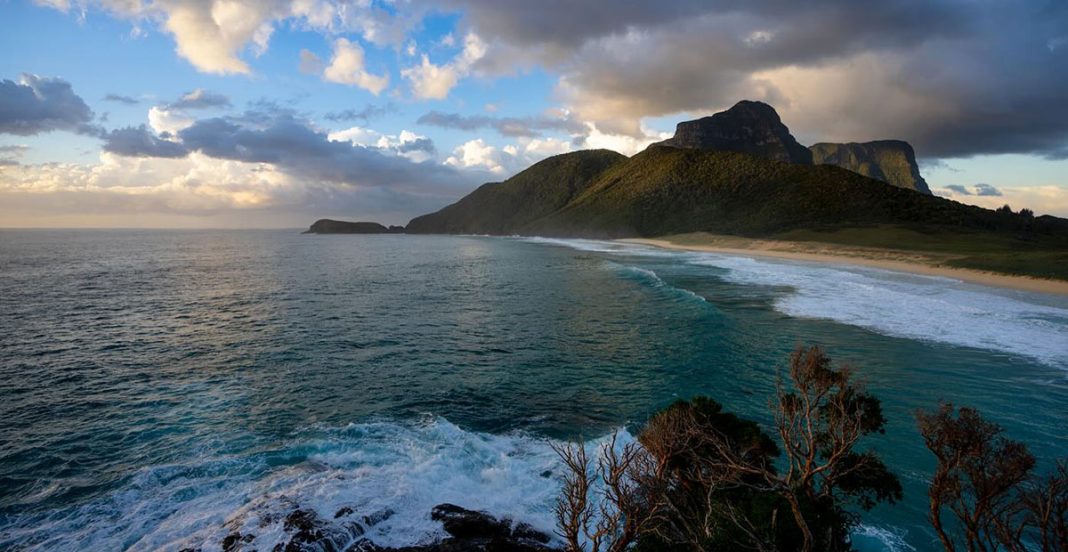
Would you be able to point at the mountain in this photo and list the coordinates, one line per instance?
(726, 174)
(748, 127)
(328, 226)
(509, 207)
(892, 161)
(664, 190)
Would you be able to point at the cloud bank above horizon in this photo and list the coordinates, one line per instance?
(268, 113)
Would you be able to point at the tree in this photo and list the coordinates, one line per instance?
(819, 423)
(1046, 506)
(607, 506)
(977, 479)
(708, 479)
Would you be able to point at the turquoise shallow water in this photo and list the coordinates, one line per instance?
(158, 385)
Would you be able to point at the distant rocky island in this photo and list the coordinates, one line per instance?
(328, 226)
(740, 172)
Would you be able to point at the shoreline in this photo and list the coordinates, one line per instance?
(897, 261)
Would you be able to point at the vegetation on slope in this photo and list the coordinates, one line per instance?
(508, 207)
(664, 191)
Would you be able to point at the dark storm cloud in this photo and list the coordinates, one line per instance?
(369, 112)
(515, 127)
(39, 104)
(141, 142)
(119, 98)
(956, 78)
(565, 25)
(957, 188)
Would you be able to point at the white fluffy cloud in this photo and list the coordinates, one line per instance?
(212, 36)
(434, 82)
(167, 121)
(508, 160)
(215, 35)
(347, 67)
(414, 147)
(476, 154)
(190, 184)
(623, 143)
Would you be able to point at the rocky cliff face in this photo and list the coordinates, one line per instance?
(891, 161)
(748, 127)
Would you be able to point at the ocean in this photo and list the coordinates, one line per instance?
(159, 388)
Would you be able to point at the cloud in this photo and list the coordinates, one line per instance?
(369, 112)
(507, 126)
(980, 190)
(410, 145)
(434, 82)
(476, 154)
(211, 35)
(1043, 200)
(118, 98)
(39, 104)
(953, 78)
(622, 143)
(166, 121)
(215, 36)
(503, 162)
(294, 146)
(310, 64)
(255, 161)
(140, 142)
(10, 154)
(200, 99)
(347, 67)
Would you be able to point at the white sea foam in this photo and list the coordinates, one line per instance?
(659, 282)
(897, 304)
(373, 468)
(911, 306)
(887, 538)
(602, 246)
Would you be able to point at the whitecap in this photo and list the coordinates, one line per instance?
(373, 468)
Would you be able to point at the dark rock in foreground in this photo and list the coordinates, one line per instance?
(307, 531)
(328, 226)
(472, 531)
(892, 161)
(748, 127)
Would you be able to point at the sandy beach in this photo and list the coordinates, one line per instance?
(888, 259)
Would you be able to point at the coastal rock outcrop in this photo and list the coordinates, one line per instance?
(892, 161)
(748, 127)
(304, 530)
(329, 226)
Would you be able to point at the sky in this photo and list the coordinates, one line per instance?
(274, 113)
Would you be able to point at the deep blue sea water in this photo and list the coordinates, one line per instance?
(159, 386)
